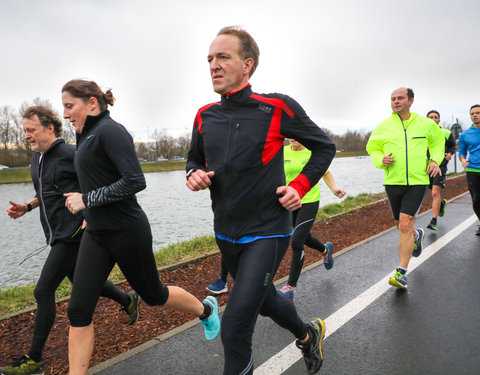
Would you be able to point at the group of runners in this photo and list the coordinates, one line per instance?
(263, 194)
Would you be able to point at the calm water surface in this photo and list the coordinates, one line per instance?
(175, 214)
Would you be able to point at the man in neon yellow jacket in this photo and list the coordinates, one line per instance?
(399, 146)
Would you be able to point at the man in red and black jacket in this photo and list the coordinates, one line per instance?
(237, 152)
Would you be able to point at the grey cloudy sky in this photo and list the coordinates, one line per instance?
(339, 59)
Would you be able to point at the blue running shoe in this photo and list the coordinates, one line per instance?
(399, 280)
(417, 250)
(211, 325)
(328, 257)
(443, 205)
(218, 286)
(287, 291)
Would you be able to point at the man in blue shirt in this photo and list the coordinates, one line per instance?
(470, 143)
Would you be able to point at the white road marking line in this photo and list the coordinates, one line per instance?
(288, 356)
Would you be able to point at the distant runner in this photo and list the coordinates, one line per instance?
(469, 151)
(399, 146)
(295, 157)
(437, 183)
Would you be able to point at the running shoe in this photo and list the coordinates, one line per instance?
(477, 233)
(24, 366)
(211, 325)
(417, 250)
(312, 349)
(218, 286)
(287, 291)
(443, 205)
(328, 256)
(399, 280)
(132, 309)
(432, 225)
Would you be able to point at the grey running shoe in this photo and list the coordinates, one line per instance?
(24, 366)
(312, 350)
(417, 250)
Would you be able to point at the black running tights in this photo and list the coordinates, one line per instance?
(131, 249)
(303, 219)
(60, 263)
(253, 267)
(473, 180)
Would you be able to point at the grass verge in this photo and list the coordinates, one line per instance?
(16, 175)
(21, 297)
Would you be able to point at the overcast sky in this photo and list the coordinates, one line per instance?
(339, 59)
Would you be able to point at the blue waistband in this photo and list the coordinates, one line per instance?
(248, 239)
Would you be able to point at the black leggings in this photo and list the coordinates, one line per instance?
(303, 220)
(253, 267)
(60, 263)
(131, 249)
(473, 180)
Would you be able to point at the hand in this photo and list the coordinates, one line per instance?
(84, 224)
(448, 156)
(74, 202)
(200, 180)
(16, 210)
(290, 199)
(387, 160)
(464, 162)
(433, 169)
(340, 193)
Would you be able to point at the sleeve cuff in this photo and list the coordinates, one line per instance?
(301, 184)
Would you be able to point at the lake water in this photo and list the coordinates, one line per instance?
(175, 213)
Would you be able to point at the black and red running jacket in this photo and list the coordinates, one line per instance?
(241, 139)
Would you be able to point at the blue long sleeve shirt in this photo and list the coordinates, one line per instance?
(470, 142)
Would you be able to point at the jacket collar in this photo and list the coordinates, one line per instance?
(237, 96)
(90, 123)
(56, 142)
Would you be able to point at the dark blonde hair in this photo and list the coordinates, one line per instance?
(248, 46)
(85, 90)
(46, 116)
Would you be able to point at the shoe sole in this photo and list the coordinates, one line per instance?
(224, 290)
(396, 284)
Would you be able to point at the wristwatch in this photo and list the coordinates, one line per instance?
(189, 173)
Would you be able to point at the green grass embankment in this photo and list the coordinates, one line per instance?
(21, 297)
(16, 175)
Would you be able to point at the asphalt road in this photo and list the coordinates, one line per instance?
(372, 328)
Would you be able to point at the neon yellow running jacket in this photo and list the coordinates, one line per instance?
(407, 141)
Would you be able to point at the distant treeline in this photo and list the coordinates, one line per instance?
(15, 151)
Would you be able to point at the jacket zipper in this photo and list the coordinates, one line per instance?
(406, 147)
(40, 187)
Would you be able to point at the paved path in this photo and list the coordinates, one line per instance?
(433, 328)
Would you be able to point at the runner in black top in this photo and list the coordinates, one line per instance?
(237, 152)
(53, 174)
(117, 228)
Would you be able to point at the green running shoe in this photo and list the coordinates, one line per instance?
(132, 308)
(24, 366)
(443, 205)
(399, 280)
(432, 225)
(312, 349)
